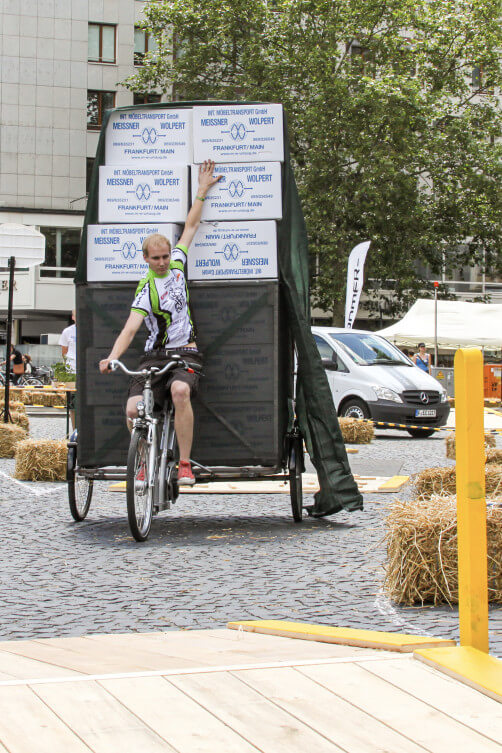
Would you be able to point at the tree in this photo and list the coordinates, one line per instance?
(393, 139)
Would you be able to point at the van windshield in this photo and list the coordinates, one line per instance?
(367, 349)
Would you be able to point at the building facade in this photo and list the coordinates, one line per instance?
(62, 62)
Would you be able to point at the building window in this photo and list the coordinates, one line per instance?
(62, 246)
(89, 164)
(97, 103)
(143, 43)
(101, 43)
(146, 99)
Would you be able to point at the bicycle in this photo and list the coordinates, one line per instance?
(151, 475)
(27, 380)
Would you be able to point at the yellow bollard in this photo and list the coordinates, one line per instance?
(471, 504)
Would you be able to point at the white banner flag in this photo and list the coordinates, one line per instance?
(355, 279)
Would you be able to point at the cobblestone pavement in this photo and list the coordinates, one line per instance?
(209, 560)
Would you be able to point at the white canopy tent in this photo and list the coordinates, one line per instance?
(459, 324)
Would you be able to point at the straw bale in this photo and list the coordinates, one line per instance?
(16, 405)
(49, 399)
(41, 460)
(422, 560)
(21, 419)
(356, 431)
(10, 435)
(443, 481)
(494, 456)
(490, 441)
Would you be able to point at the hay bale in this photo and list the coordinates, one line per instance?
(442, 481)
(10, 435)
(422, 553)
(21, 419)
(355, 431)
(490, 441)
(41, 397)
(494, 456)
(41, 460)
(16, 405)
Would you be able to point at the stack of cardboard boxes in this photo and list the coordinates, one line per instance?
(146, 185)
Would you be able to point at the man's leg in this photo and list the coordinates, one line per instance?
(132, 409)
(183, 417)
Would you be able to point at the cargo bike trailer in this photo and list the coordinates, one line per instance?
(245, 427)
(245, 421)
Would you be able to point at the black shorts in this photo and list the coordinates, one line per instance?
(161, 384)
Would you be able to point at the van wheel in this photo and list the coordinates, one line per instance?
(420, 433)
(355, 408)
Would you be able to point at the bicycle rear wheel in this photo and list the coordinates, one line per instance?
(139, 492)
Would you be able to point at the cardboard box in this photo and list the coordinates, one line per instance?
(245, 133)
(145, 193)
(247, 191)
(234, 251)
(153, 135)
(114, 251)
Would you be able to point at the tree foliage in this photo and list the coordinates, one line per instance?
(390, 140)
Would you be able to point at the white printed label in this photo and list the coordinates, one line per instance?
(233, 251)
(114, 251)
(153, 135)
(230, 133)
(146, 193)
(247, 191)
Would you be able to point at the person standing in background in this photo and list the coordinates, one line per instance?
(68, 342)
(422, 359)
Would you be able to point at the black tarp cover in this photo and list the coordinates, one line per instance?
(314, 402)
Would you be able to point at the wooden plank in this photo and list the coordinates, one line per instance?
(252, 716)
(192, 648)
(78, 654)
(448, 696)
(188, 727)
(28, 726)
(469, 665)
(19, 667)
(406, 715)
(99, 719)
(335, 718)
(345, 636)
(393, 484)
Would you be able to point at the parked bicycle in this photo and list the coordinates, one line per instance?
(152, 461)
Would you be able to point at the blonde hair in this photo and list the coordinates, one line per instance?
(154, 239)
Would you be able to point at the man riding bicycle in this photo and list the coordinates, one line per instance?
(161, 301)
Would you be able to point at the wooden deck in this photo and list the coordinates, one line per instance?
(224, 691)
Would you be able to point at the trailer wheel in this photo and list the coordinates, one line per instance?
(295, 466)
(79, 487)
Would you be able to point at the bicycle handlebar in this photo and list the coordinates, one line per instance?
(176, 362)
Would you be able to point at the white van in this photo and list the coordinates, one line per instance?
(370, 378)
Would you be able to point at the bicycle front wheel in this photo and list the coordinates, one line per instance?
(139, 491)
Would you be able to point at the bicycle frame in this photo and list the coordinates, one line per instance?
(159, 473)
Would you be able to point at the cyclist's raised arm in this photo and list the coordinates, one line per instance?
(206, 180)
(123, 341)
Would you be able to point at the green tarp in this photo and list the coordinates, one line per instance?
(314, 403)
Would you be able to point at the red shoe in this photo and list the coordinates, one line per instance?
(185, 475)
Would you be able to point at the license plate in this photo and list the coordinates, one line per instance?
(425, 413)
